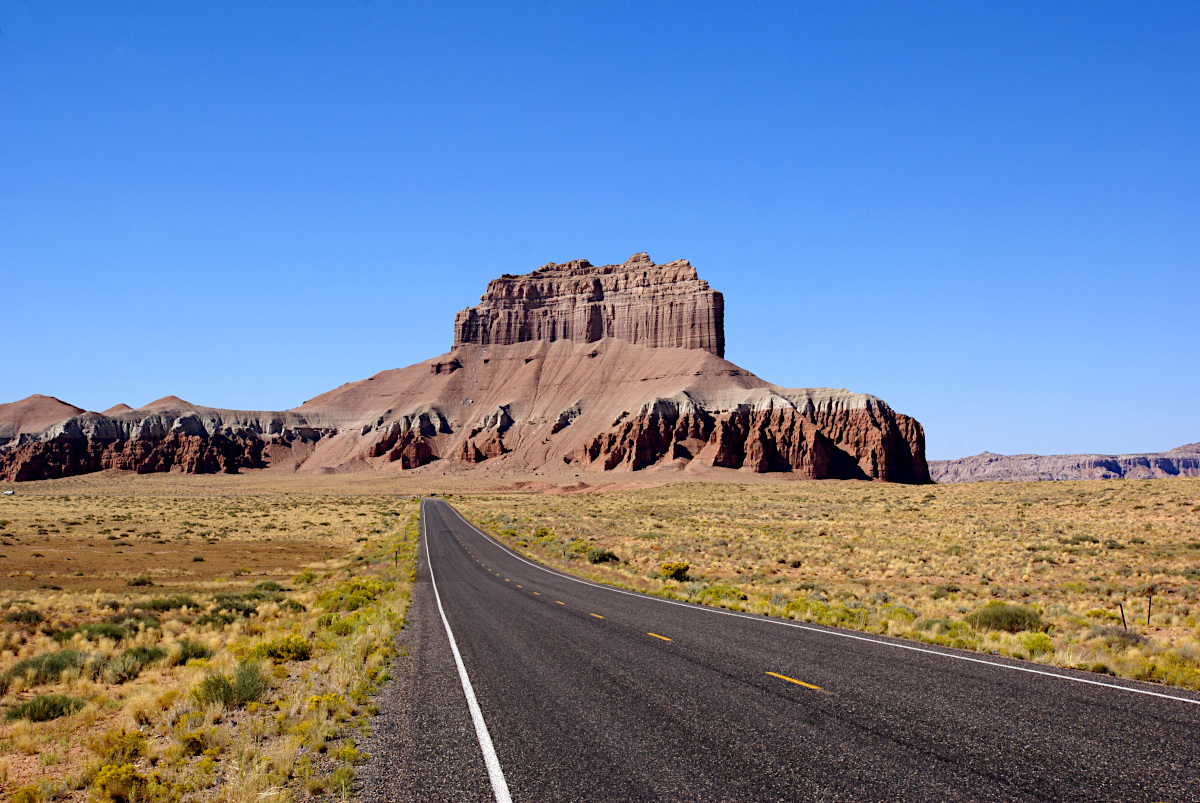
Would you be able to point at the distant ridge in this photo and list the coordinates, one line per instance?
(1182, 461)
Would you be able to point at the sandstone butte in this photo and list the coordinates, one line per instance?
(571, 368)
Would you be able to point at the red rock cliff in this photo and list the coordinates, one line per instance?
(660, 306)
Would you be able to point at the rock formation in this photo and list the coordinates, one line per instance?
(571, 368)
(817, 434)
(660, 306)
(1183, 461)
(194, 441)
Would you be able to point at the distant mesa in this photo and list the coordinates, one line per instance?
(571, 368)
(1183, 461)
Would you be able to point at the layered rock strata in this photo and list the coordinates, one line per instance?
(569, 369)
(1183, 461)
(196, 441)
(659, 306)
(816, 434)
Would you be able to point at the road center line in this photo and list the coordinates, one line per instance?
(664, 638)
(490, 759)
(598, 616)
(822, 630)
(793, 680)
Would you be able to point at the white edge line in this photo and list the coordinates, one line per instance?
(495, 774)
(825, 631)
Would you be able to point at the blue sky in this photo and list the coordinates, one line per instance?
(988, 214)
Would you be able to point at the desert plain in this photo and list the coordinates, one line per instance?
(172, 637)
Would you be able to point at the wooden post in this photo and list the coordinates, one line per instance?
(1122, 607)
(1149, 605)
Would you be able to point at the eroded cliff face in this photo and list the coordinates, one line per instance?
(192, 441)
(571, 368)
(659, 306)
(814, 434)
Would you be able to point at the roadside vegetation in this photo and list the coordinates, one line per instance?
(211, 649)
(1100, 576)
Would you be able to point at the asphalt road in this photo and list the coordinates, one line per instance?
(591, 693)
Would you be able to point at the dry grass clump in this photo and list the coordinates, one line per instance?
(198, 683)
(1100, 575)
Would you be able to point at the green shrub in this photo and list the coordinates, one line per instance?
(216, 619)
(141, 581)
(674, 571)
(336, 624)
(288, 648)
(352, 595)
(292, 606)
(269, 585)
(215, 689)
(193, 743)
(168, 603)
(44, 707)
(249, 684)
(341, 780)
(1115, 636)
(24, 617)
(597, 555)
(133, 622)
(246, 686)
(946, 589)
(45, 668)
(189, 649)
(719, 592)
(1006, 616)
(93, 632)
(244, 603)
(305, 578)
(1037, 644)
(128, 665)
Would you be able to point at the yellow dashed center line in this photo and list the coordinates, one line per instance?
(520, 586)
(560, 602)
(598, 616)
(664, 638)
(793, 680)
(537, 593)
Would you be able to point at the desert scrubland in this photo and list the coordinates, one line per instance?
(220, 638)
(1037, 571)
(194, 639)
